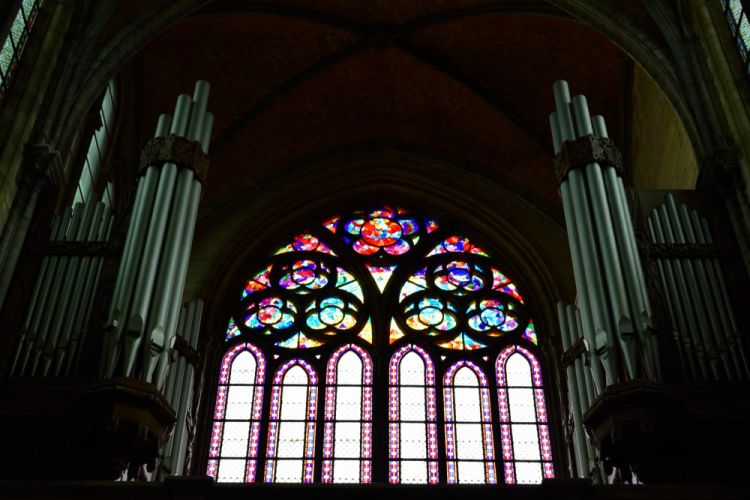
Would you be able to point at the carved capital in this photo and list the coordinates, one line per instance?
(585, 150)
(41, 164)
(178, 150)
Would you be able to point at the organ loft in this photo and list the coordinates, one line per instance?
(374, 248)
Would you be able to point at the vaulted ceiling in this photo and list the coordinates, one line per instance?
(468, 82)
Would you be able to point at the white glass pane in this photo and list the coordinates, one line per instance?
(469, 441)
(517, 371)
(347, 440)
(413, 439)
(521, 403)
(291, 440)
(528, 472)
(349, 369)
(243, 369)
(348, 403)
(234, 439)
(296, 375)
(414, 472)
(288, 471)
(293, 403)
(471, 472)
(411, 371)
(346, 471)
(465, 377)
(525, 442)
(239, 402)
(231, 471)
(412, 403)
(468, 406)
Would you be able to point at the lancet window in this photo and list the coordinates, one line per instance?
(736, 13)
(396, 351)
(15, 41)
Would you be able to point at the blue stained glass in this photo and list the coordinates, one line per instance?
(409, 226)
(313, 321)
(410, 288)
(348, 283)
(509, 325)
(355, 226)
(331, 315)
(232, 330)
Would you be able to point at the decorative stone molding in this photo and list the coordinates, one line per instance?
(583, 151)
(178, 150)
(41, 163)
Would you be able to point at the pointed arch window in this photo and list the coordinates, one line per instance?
(413, 449)
(403, 322)
(15, 41)
(469, 445)
(523, 415)
(736, 12)
(233, 452)
(347, 454)
(291, 426)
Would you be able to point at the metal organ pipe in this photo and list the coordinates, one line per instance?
(578, 259)
(615, 283)
(705, 292)
(131, 258)
(718, 287)
(146, 304)
(576, 407)
(686, 274)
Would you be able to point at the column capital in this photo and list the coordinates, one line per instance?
(41, 164)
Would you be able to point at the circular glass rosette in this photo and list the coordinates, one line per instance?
(270, 314)
(430, 315)
(458, 276)
(382, 231)
(332, 315)
(302, 274)
(493, 316)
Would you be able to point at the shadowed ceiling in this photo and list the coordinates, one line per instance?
(466, 82)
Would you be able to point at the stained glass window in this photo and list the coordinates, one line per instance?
(527, 451)
(233, 452)
(412, 417)
(470, 450)
(14, 43)
(290, 453)
(386, 302)
(736, 14)
(347, 453)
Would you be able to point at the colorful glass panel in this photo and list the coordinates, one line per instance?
(305, 242)
(233, 450)
(469, 446)
(737, 17)
(12, 47)
(381, 274)
(527, 451)
(347, 441)
(456, 244)
(309, 301)
(290, 449)
(412, 417)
